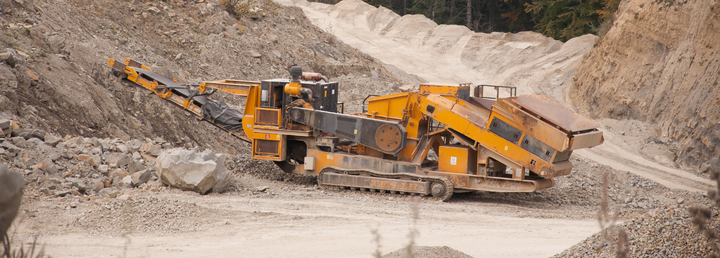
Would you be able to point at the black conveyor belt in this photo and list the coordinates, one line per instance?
(175, 87)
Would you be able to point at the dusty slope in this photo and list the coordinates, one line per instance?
(659, 64)
(449, 53)
(69, 43)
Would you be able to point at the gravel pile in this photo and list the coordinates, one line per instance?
(663, 232)
(428, 252)
(244, 164)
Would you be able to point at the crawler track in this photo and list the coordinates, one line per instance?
(399, 183)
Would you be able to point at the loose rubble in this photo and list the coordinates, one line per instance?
(662, 232)
(79, 166)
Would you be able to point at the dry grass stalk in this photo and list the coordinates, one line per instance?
(414, 233)
(702, 215)
(614, 236)
(376, 239)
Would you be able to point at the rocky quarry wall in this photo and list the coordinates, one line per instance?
(54, 74)
(660, 63)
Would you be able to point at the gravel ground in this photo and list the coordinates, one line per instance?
(662, 232)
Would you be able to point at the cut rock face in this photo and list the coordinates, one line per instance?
(190, 170)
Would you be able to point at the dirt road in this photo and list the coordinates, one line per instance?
(315, 223)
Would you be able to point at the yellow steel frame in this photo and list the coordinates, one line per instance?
(461, 116)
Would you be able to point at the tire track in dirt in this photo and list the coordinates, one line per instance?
(620, 159)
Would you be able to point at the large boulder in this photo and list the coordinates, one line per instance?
(190, 170)
(11, 191)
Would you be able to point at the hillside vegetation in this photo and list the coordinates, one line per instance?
(559, 19)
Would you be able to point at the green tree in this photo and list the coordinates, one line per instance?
(565, 19)
(560, 19)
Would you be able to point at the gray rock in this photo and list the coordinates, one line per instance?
(11, 191)
(50, 166)
(155, 150)
(714, 162)
(136, 156)
(159, 140)
(96, 151)
(4, 56)
(14, 58)
(75, 192)
(104, 169)
(93, 142)
(105, 145)
(154, 10)
(62, 193)
(189, 170)
(67, 154)
(109, 192)
(10, 147)
(7, 78)
(166, 146)
(255, 54)
(140, 177)
(118, 172)
(29, 133)
(127, 181)
(123, 197)
(52, 169)
(93, 160)
(121, 148)
(52, 140)
(135, 145)
(61, 146)
(136, 166)
(54, 156)
(77, 183)
(37, 143)
(262, 188)
(4, 124)
(20, 142)
(118, 159)
(96, 184)
(117, 182)
(45, 190)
